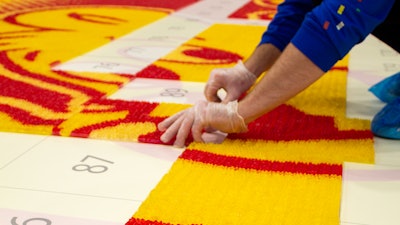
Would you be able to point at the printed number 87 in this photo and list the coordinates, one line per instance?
(46, 221)
(92, 169)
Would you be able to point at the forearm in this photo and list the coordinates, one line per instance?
(292, 73)
(263, 57)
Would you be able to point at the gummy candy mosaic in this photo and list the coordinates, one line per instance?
(285, 170)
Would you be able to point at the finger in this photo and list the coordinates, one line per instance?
(198, 124)
(209, 129)
(184, 129)
(172, 130)
(211, 93)
(197, 130)
(162, 126)
(229, 97)
(215, 137)
(214, 84)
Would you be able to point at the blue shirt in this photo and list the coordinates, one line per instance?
(325, 33)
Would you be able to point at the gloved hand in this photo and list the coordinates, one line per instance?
(235, 81)
(203, 116)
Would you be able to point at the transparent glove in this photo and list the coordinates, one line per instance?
(203, 116)
(235, 81)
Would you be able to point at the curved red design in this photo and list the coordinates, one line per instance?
(208, 55)
(75, 77)
(34, 94)
(265, 12)
(213, 54)
(287, 123)
(15, 68)
(13, 19)
(154, 4)
(137, 112)
(31, 56)
(153, 71)
(27, 118)
(92, 18)
(136, 221)
(262, 165)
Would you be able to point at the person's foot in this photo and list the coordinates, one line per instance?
(388, 89)
(386, 123)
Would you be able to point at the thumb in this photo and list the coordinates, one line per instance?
(230, 96)
(211, 93)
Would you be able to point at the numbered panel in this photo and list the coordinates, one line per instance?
(103, 65)
(17, 217)
(12, 147)
(96, 208)
(370, 62)
(215, 11)
(90, 168)
(172, 29)
(133, 52)
(370, 194)
(155, 90)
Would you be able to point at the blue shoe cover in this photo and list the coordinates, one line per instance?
(386, 122)
(388, 89)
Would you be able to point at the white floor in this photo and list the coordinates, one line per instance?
(371, 193)
(55, 180)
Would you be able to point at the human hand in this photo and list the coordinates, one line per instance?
(203, 116)
(235, 81)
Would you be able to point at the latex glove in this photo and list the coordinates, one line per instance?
(202, 116)
(235, 81)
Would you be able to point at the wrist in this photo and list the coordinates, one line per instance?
(237, 121)
(224, 117)
(249, 76)
(263, 57)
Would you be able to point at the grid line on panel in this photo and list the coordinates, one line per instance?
(68, 193)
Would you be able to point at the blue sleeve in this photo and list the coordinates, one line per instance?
(331, 29)
(286, 22)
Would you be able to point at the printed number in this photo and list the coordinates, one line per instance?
(387, 52)
(27, 222)
(134, 50)
(176, 28)
(92, 168)
(391, 67)
(106, 65)
(174, 92)
(157, 38)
